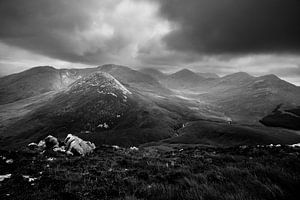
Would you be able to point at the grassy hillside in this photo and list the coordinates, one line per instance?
(287, 119)
(158, 173)
(223, 134)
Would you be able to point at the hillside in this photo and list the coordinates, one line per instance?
(154, 73)
(100, 108)
(224, 134)
(90, 103)
(43, 79)
(133, 78)
(183, 79)
(283, 118)
(155, 173)
(248, 99)
(30, 83)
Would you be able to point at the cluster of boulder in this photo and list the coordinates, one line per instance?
(72, 145)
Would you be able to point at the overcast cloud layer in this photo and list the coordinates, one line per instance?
(221, 36)
(234, 26)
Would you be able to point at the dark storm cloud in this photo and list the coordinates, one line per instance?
(93, 31)
(233, 26)
(42, 26)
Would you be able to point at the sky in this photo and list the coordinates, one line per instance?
(220, 36)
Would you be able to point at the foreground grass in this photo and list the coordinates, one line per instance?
(156, 173)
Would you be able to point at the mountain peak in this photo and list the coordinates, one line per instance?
(153, 72)
(99, 81)
(185, 71)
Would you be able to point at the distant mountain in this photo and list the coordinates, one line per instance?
(153, 72)
(183, 79)
(234, 79)
(248, 98)
(29, 83)
(36, 81)
(114, 104)
(186, 75)
(39, 80)
(133, 78)
(127, 75)
(208, 75)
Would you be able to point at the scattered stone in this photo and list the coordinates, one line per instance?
(115, 147)
(295, 145)
(50, 159)
(2, 177)
(104, 125)
(42, 144)
(134, 148)
(9, 161)
(59, 149)
(29, 179)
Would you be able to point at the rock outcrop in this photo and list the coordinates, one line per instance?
(76, 145)
(72, 145)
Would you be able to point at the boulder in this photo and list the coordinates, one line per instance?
(51, 142)
(78, 146)
(72, 145)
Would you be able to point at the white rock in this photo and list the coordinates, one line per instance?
(76, 144)
(50, 159)
(115, 147)
(59, 149)
(105, 125)
(33, 144)
(134, 148)
(9, 161)
(42, 143)
(2, 177)
(295, 145)
(30, 179)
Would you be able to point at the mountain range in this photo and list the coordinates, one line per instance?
(114, 104)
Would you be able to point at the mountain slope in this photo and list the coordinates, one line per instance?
(222, 134)
(38, 80)
(247, 98)
(98, 107)
(133, 78)
(289, 118)
(153, 72)
(183, 79)
(29, 83)
(208, 75)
